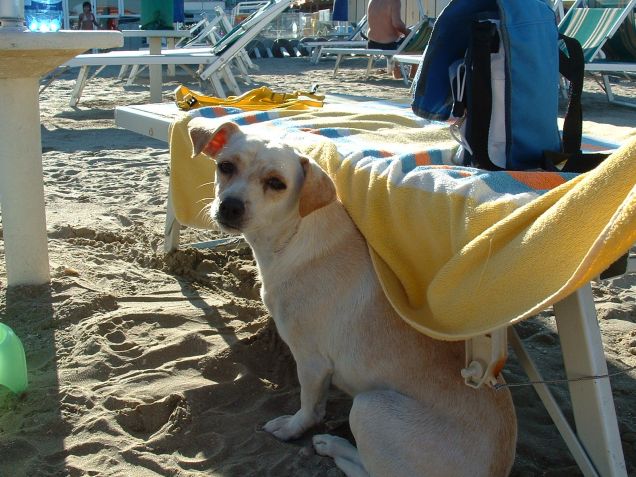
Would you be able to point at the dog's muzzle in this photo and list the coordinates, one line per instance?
(231, 212)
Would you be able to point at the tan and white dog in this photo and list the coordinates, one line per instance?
(412, 414)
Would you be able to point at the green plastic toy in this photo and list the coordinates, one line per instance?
(13, 368)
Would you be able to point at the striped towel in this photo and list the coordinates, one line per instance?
(459, 251)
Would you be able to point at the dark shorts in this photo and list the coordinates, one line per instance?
(384, 46)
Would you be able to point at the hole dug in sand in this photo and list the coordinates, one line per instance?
(158, 417)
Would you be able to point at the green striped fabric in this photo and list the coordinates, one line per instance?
(622, 46)
(591, 27)
(420, 38)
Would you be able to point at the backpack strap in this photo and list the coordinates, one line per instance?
(484, 33)
(572, 67)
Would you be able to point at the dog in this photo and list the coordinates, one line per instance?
(412, 414)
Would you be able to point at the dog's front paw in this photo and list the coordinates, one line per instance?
(285, 427)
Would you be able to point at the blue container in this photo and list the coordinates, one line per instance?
(44, 15)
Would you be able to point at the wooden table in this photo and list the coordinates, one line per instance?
(155, 39)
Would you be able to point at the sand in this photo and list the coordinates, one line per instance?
(144, 364)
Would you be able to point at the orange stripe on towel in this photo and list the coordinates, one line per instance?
(422, 158)
(538, 180)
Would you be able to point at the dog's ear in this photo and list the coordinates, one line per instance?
(208, 140)
(318, 189)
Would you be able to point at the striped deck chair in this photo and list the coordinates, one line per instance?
(415, 42)
(356, 39)
(593, 27)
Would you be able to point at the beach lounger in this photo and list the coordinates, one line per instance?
(119, 58)
(209, 36)
(355, 40)
(234, 42)
(216, 61)
(593, 27)
(595, 444)
(415, 42)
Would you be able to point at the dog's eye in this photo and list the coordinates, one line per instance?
(275, 184)
(226, 167)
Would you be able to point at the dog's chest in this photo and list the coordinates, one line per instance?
(295, 313)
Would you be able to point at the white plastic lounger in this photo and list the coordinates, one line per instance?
(416, 39)
(404, 60)
(210, 35)
(231, 48)
(317, 47)
(595, 444)
(235, 41)
(129, 58)
(216, 61)
(355, 40)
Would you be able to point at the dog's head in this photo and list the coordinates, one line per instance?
(260, 182)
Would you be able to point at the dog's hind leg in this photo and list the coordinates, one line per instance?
(399, 436)
(343, 453)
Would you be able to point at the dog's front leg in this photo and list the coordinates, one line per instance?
(314, 376)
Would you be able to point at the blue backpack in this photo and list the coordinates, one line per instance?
(494, 66)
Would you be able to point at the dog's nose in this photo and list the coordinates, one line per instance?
(231, 210)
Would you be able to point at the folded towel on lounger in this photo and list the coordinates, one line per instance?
(459, 251)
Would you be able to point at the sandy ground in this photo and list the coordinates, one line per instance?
(144, 364)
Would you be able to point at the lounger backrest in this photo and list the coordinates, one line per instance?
(592, 27)
(232, 43)
(420, 38)
(266, 12)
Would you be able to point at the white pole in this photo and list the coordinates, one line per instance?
(12, 13)
(21, 184)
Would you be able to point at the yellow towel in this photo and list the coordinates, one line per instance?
(453, 264)
(259, 99)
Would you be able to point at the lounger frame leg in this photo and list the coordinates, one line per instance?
(369, 66)
(242, 67)
(316, 54)
(592, 401)
(172, 229)
(337, 65)
(218, 87)
(229, 79)
(134, 71)
(596, 445)
(76, 94)
(610, 94)
(170, 44)
(122, 72)
(552, 407)
(156, 83)
(98, 71)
